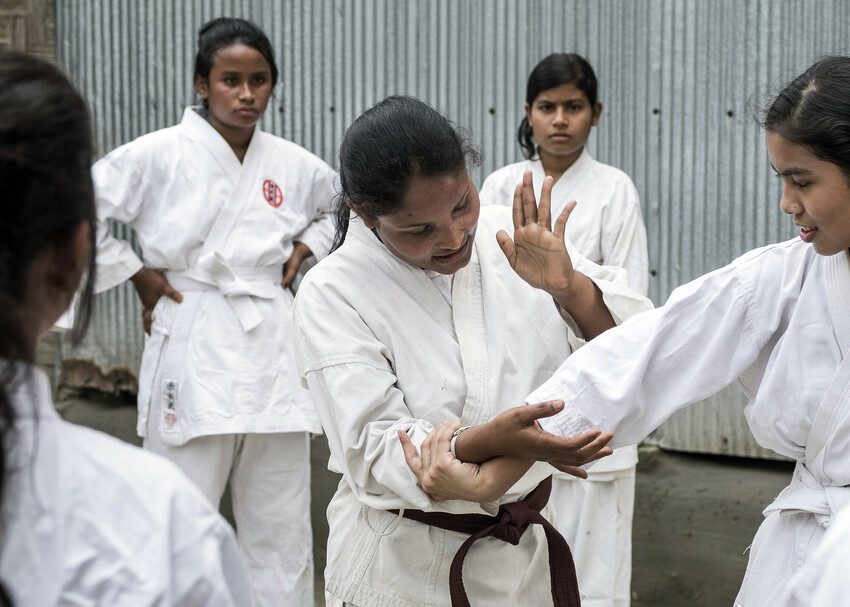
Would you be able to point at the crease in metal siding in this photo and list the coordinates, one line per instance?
(669, 71)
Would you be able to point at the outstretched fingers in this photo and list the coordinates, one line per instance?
(571, 470)
(507, 246)
(561, 223)
(529, 203)
(544, 209)
(516, 208)
(581, 449)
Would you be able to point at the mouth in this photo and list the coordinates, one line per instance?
(560, 137)
(246, 111)
(456, 255)
(807, 233)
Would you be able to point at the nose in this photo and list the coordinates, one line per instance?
(789, 203)
(246, 92)
(561, 116)
(452, 238)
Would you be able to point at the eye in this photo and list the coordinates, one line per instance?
(575, 107)
(230, 80)
(800, 183)
(260, 79)
(421, 231)
(462, 206)
(544, 107)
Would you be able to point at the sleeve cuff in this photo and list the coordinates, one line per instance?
(114, 274)
(569, 422)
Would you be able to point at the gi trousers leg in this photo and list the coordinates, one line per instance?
(270, 486)
(269, 478)
(595, 517)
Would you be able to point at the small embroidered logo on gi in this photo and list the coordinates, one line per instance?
(169, 409)
(272, 193)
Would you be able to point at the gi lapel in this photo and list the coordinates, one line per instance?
(835, 405)
(468, 312)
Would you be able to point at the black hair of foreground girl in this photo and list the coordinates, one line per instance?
(46, 219)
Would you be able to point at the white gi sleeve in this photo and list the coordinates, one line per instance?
(631, 378)
(119, 195)
(359, 405)
(622, 302)
(625, 245)
(319, 233)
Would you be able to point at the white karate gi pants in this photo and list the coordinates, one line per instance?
(595, 517)
(269, 477)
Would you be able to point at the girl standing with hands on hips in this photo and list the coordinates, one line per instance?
(224, 215)
(776, 319)
(606, 226)
(86, 518)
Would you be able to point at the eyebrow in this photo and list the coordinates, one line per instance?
(791, 171)
(419, 225)
(568, 100)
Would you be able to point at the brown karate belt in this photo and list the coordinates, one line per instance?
(508, 525)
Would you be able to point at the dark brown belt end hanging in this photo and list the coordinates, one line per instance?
(508, 525)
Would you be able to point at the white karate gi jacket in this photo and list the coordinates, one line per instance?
(222, 360)
(89, 520)
(606, 226)
(777, 318)
(381, 349)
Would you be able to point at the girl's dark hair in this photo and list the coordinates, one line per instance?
(46, 191)
(389, 145)
(222, 32)
(555, 70)
(813, 111)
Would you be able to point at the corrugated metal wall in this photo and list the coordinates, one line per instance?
(675, 76)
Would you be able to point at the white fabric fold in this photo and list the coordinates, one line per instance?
(238, 285)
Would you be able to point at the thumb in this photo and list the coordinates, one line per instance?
(507, 246)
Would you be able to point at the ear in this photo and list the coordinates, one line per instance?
(369, 223)
(202, 86)
(597, 113)
(527, 109)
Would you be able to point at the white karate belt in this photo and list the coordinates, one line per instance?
(806, 495)
(239, 285)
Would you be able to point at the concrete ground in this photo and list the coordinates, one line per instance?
(694, 515)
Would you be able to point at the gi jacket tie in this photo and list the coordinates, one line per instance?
(238, 285)
(508, 525)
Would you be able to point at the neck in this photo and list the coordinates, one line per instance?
(237, 139)
(557, 165)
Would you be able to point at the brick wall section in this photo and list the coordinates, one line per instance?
(29, 25)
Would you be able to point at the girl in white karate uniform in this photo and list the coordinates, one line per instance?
(224, 214)
(418, 318)
(606, 226)
(776, 319)
(87, 519)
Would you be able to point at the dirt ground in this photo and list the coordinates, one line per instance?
(694, 515)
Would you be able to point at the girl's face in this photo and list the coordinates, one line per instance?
(238, 88)
(815, 192)
(561, 119)
(435, 227)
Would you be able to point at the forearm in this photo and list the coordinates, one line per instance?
(498, 475)
(584, 303)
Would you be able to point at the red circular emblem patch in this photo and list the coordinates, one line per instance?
(272, 193)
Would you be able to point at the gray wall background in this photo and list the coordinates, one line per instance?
(676, 79)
